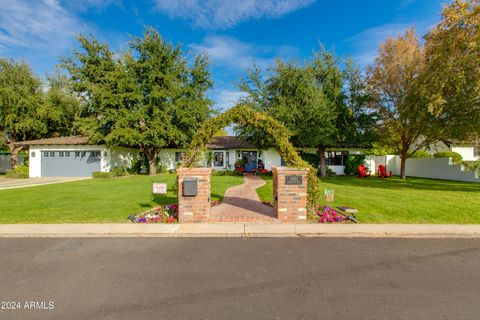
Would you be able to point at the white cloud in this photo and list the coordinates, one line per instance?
(36, 24)
(85, 5)
(233, 54)
(226, 98)
(224, 14)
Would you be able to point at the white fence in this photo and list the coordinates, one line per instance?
(6, 162)
(434, 168)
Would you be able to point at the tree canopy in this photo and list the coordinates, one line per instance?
(29, 108)
(452, 77)
(322, 104)
(149, 97)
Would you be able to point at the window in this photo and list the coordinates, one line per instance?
(94, 154)
(336, 158)
(77, 154)
(52, 154)
(179, 156)
(61, 154)
(67, 153)
(218, 159)
(82, 154)
(45, 154)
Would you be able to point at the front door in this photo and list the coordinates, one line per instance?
(250, 158)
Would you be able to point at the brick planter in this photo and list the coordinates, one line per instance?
(194, 208)
(290, 194)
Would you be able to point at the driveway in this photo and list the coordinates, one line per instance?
(7, 183)
(241, 278)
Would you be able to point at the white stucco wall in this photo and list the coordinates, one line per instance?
(467, 153)
(339, 170)
(118, 157)
(372, 163)
(35, 162)
(433, 168)
(271, 158)
(167, 158)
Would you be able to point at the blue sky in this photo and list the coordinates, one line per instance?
(234, 33)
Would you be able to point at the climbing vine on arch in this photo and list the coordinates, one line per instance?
(279, 134)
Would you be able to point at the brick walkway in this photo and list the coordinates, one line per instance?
(242, 204)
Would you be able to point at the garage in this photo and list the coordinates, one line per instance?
(62, 163)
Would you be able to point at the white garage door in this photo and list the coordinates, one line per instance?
(70, 163)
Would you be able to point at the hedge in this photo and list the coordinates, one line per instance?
(456, 157)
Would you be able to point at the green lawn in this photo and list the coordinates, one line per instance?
(414, 200)
(96, 200)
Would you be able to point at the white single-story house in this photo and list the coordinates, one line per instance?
(74, 157)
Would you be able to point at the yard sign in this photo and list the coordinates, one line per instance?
(329, 195)
(159, 188)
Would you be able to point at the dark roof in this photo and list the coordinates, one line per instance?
(72, 140)
(229, 142)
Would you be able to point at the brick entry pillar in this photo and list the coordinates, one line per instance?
(290, 194)
(194, 208)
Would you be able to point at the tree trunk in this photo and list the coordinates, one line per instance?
(151, 154)
(15, 150)
(403, 160)
(323, 164)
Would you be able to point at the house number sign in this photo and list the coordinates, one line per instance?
(293, 179)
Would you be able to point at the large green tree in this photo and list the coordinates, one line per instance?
(452, 76)
(149, 97)
(319, 102)
(395, 79)
(21, 96)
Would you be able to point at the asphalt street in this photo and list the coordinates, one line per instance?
(239, 278)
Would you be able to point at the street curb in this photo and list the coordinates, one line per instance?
(247, 230)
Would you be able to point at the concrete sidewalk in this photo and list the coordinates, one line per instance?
(240, 230)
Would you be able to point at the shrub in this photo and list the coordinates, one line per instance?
(456, 157)
(103, 175)
(136, 166)
(265, 173)
(119, 171)
(311, 158)
(352, 163)
(226, 173)
(20, 172)
(421, 154)
(161, 168)
(330, 172)
(472, 166)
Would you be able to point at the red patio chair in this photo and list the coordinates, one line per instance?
(362, 171)
(382, 172)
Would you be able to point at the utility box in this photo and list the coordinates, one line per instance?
(190, 186)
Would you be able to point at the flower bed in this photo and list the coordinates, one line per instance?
(329, 215)
(216, 203)
(163, 214)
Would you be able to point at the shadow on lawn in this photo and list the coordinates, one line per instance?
(408, 183)
(160, 201)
